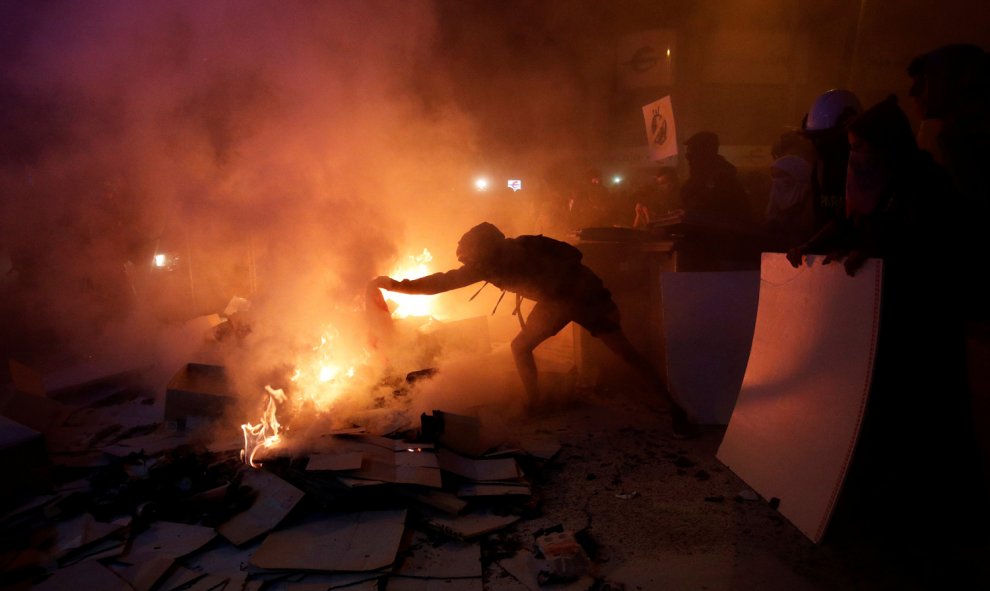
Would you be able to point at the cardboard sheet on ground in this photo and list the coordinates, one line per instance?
(393, 463)
(471, 525)
(360, 541)
(165, 539)
(276, 498)
(479, 470)
(84, 575)
(798, 414)
(451, 566)
(708, 321)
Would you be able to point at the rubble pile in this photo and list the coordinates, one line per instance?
(123, 500)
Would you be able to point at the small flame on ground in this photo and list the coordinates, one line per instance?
(318, 379)
(266, 433)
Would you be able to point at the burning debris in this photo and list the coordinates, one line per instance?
(146, 505)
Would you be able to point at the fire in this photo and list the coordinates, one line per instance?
(331, 368)
(318, 380)
(415, 266)
(266, 433)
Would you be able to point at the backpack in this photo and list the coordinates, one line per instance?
(550, 252)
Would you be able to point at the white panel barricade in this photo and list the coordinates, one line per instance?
(792, 432)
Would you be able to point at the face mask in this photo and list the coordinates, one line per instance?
(867, 180)
(786, 192)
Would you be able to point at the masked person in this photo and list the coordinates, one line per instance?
(549, 272)
(825, 127)
(789, 218)
(901, 207)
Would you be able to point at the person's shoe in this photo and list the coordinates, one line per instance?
(684, 427)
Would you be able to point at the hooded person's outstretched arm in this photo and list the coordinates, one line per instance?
(431, 284)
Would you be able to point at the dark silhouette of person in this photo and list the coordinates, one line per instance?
(659, 198)
(550, 273)
(713, 188)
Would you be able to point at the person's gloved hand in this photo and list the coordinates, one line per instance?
(795, 256)
(854, 262)
(383, 282)
(835, 255)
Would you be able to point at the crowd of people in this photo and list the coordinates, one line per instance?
(848, 185)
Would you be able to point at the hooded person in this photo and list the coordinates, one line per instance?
(713, 187)
(550, 273)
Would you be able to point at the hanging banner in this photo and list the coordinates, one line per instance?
(644, 59)
(661, 132)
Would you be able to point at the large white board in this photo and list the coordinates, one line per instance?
(708, 321)
(792, 432)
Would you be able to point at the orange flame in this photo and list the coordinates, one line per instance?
(266, 433)
(414, 267)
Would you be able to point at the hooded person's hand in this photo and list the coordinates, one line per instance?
(383, 282)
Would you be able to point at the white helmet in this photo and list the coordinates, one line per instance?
(832, 108)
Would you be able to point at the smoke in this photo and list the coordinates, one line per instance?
(284, 152)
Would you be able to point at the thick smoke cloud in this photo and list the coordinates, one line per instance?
(278, 141)
(284, 152)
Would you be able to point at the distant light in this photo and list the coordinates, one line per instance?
(515, 184)
(668, 52)
(160, 260)
(616, 180)
(481, 184)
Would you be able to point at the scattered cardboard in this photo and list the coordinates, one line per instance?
(708, 322)
(330, 582)
(150, 445)
(164, 539)
(22, 452)
(471, 525)
(65, 381)
(37, 412)
(525, 568)
(541, 448)
(482, 489)
(360, 541)
(450, 560)
(401, 584)
(145, 575)
(198, 391)
(84, 535)
(438, 499)
(335, 462)
(387, 460)
(359, 482)
(209, 582)
(460, 433)
(382, 442)
(275, 500)
(796, 421)
(89, 574)
(178, 578)
(479, 470)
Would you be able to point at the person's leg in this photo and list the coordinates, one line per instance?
(544, 321)
(617, 342)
